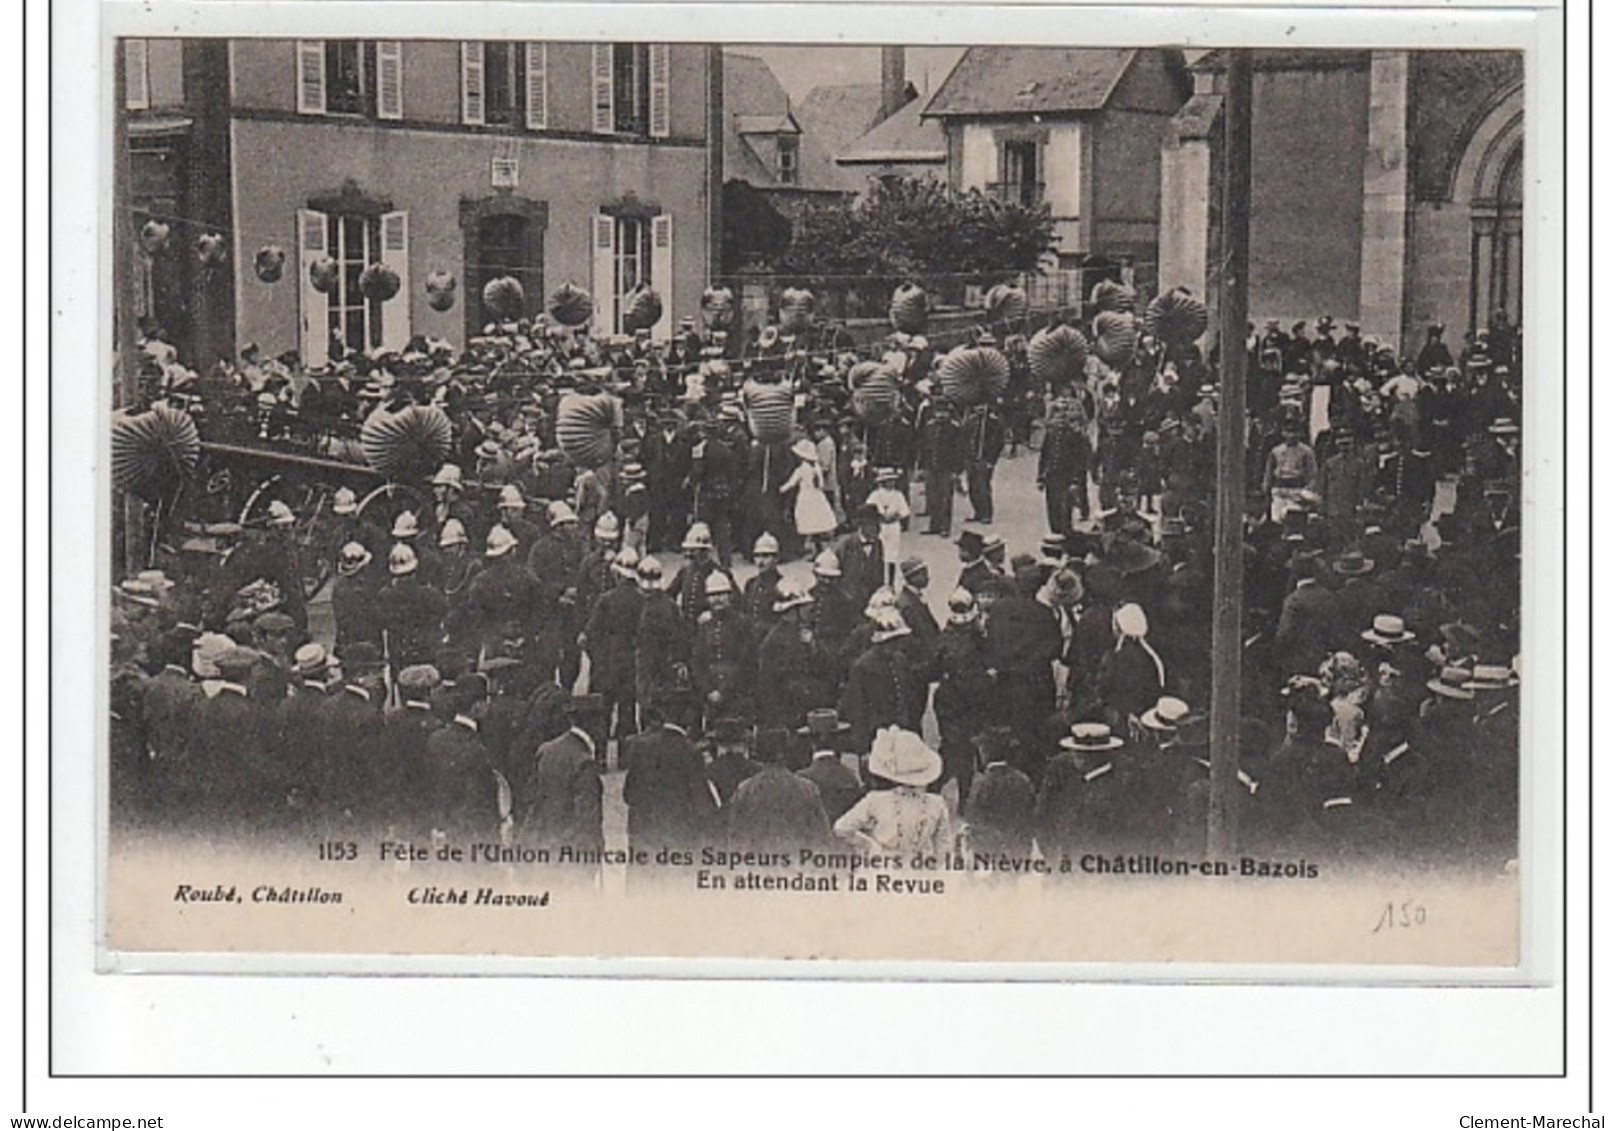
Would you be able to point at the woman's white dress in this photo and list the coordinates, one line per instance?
(814, 514)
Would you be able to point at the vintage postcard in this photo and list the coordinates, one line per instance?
(577, 498)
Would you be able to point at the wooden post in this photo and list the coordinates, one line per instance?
(1228, 590)
(126, 389)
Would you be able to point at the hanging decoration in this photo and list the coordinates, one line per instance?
(210, 249)
(642, 309)
(569, 304)
(269, 263)
(440, 287)
(910, 309)
(153, 452)
(718, 308)
(322, 274)
(1058, 354)
(409, 444)
(795, 310)
(153, 236)
(379, 282)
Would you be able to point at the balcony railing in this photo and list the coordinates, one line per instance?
(1017, 192)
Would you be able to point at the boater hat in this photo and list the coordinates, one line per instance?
(1388, 629)
(824, 721)
(1451, 684)
(1091, 737)
(1165, 715)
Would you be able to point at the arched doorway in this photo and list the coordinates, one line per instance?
(1491, 176)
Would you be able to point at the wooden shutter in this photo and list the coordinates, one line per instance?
(395, 323)
(314, 334)
(661, 272)
(660, 83)
(136, 75)
(538, 106)
(605, 108)
(473, 92)
(389, 79)
(311, 76)
(605, 273)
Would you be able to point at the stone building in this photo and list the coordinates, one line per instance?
(596, 163)
(1386, 188)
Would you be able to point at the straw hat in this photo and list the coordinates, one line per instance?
(1388, 629)
(1091, 737)
(902, 756)
(1452, 683)
(805, 449)
(1167, 713)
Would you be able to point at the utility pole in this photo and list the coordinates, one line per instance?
(1227, 629)
(126, 388)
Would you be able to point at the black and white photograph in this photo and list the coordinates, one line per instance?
(996, 503)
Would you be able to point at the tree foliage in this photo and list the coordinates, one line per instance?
(913, 228)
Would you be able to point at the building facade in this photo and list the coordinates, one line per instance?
(1387, 188)
(590, 163)
(1078, 129)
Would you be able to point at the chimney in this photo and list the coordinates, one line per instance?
(893, 83)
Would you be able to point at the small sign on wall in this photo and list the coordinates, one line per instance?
(505, 172)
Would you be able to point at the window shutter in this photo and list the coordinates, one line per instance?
(472, 91)
(389, 79)
(605, 273)
(311, 76)
(395, 323)
(136, 76)
(314, 337)
(538, 109)
(661, 272)
(660, 80)
(605, 110)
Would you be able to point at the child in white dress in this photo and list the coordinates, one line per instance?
(815, 518)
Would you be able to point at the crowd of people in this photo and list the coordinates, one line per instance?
(496, 652)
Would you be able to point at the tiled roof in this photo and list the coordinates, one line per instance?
(1017, 80)
(903, 138)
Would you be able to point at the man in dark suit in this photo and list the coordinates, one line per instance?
(670, 803)
(465, 797)
(1306, 620)
(775, 810)
(883, 688)
(862, 561)
(1002, 802)
(563, 802)
(839, 788)
(974, 573)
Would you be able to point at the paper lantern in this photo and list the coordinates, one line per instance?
(153, 236)
(409, 444)
(269, 263)
(1005, 303)
(1115, 338)
(1109, 295)
(379, 282)
(211, 250)
(770, 410)
(718, 308)
(153, 452)
(504, 298)
(322, 274)
(875, 394)
(795, 310)
(440, 287)
(1058, 355)
(973, 375)
(585, 426)
(910, 309)
(642, 309)
(1176, 318)
(569, 305)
